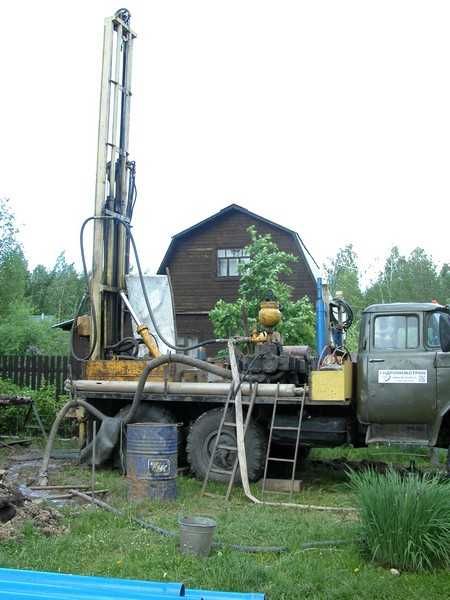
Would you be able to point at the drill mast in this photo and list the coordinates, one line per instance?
(114, 192)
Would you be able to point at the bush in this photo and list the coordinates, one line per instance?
(13, 417)
(405, 520)
(263, 273)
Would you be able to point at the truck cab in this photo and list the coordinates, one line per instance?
(403, 374)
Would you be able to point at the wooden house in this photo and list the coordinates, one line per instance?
(203, 263)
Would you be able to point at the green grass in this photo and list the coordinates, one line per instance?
(100, 543)
(405, 519)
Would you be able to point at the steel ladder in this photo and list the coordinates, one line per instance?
(274, 427)
(218, 446)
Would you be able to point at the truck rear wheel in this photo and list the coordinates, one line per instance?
(201, 440)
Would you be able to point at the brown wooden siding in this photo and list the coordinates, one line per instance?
(193, 269)
(193, 264)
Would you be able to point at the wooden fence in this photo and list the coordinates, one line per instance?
(35, 371)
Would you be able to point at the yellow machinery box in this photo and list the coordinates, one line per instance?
(332, 384)
(120, 370)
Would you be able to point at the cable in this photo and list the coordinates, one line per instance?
(144, 291)
(337, 304)
(125, 345)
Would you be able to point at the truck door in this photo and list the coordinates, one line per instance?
(401, 371)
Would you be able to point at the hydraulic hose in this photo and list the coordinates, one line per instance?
(144, 291)
(165, 359)
(153, 364)
(43, 473)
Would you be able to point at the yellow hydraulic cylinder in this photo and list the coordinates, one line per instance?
(149, 340)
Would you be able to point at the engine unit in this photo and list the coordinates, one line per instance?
(273, 363)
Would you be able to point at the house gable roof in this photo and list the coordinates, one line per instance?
(303, 251)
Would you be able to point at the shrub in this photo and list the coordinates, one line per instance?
(405, 519)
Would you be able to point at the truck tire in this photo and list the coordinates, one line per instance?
(201, 440)
(448, 462)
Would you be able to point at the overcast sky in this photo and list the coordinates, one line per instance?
(331, 118)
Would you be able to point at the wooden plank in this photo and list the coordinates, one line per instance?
(52, 370)
(21, 370)
(58, 376)
(33, 372)
(38, 372)
(283, 485)
(3, 367)
(27, 372)
(65, 372)
(16, 370)
(45, 366)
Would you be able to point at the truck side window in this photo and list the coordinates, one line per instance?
(396, 332)
(432, 329)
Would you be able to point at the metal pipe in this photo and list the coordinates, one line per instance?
(286, 390)
(94, 455)
(130, 308)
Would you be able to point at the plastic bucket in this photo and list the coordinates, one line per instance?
(196, 535)
(152, 461)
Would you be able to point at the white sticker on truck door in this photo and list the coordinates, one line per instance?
(402, 376)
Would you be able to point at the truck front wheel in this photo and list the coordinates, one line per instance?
(448, 462)
(201, 440)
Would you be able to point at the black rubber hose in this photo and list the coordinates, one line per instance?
(43, 473)
(141, 280)
(340, 303)
(125, 345)
(166, 359)
(74, 326)
(173, 534)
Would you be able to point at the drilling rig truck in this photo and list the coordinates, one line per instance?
(395, 389)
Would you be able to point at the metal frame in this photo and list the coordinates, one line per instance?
(111, 191)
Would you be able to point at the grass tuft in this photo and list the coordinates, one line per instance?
(405, 520)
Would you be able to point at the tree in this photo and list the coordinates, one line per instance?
(262, 273)
(408, 279)
(444, 284)
(13, 266)
(343, 275)
(57, 291)
(21, 333)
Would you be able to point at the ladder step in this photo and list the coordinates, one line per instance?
(211, 495)
(283, 428)
(223, 447)
(228, 424)
(220, 471)
(288, 460)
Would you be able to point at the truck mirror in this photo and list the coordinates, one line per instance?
(444, 332)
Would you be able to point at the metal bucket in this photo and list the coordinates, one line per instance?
(196, 535)
(152, 461)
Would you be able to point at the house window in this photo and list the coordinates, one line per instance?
(229, 259)
(186, 341)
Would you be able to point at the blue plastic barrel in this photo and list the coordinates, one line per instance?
(152, 461)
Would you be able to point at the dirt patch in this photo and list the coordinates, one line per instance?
(16, 510)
